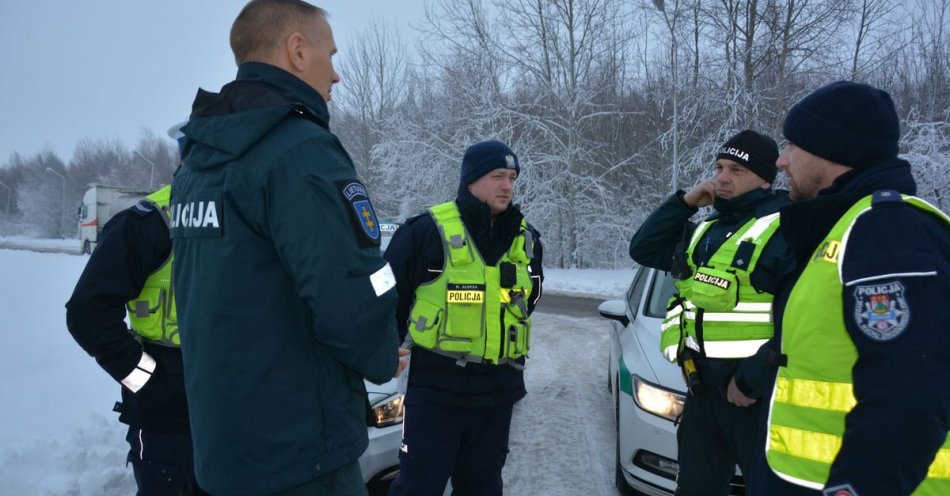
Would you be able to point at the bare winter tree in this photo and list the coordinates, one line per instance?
(43, 212)
(927, 146)
(157, 156)
(375, 70)
(601, 99)
(878, 36)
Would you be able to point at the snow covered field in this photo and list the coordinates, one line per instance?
(58, 435)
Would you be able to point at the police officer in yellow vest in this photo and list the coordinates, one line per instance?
(860, 404)
(468, 274)
(726, 267)
(129, 273)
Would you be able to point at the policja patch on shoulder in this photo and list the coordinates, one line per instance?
(880, 310)
(361, 213)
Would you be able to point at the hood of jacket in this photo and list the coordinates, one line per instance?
(224, 125)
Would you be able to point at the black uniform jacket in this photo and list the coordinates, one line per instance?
(416, 256)
(903, 403)
(656, 241)
(132, 245)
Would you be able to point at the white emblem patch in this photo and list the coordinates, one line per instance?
(881, 311)
(510, 161)
(383, 280)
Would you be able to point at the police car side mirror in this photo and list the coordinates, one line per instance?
(614, 310)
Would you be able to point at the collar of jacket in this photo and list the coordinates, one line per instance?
(491, 238)
(805, 224)
(291, 87)
(742, 206)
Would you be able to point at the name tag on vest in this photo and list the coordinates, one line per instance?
(465, 293)
(198, 216)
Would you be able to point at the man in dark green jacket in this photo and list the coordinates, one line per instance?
(284, 301)
(718, 423)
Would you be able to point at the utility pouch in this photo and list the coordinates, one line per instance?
(684, 290)
(714, 290)
(465, 310)
(141, 311)
(424, 322)
(519, 335)
(679, 268)
(508, 275)
(743, 256)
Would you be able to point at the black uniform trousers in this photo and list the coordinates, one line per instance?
(468, 445)
(163, 463)
(712, 439)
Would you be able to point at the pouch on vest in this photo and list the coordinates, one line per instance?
(714, 290)
(149, 302)
(424, 322)
(464, 314)
(683, 289)
(519, 335)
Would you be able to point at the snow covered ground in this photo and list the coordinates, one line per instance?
(58, 435)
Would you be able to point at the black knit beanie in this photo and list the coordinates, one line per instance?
(484, 157)
(754, 151)
(848, 123)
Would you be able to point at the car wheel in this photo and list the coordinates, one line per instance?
(379, 484)
(619, 480)
(377, 487)
(86, 248)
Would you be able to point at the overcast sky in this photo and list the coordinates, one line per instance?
(109, 68)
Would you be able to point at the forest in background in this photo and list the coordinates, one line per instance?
(606, 102)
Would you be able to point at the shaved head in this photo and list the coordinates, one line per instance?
(263, 25)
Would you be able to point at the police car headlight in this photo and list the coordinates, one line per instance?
(657, 400)
(389, 411)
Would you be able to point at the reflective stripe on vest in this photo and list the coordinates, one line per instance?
(465, 313)
(813, 393)
(152, 313)
(736, 333)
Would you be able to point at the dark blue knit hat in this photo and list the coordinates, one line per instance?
(848, 123)
(482, 158)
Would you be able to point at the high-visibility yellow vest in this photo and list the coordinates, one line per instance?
(717, 310)
(465, 313)
(152, 313)
(813, 391)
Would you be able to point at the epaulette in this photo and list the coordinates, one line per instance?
(143, 207)
(885, 197)
(416, 217)
(534, 232)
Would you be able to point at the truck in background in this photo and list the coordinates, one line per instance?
(99, 204)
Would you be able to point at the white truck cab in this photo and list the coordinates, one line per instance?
(99, 204)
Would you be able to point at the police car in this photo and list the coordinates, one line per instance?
(380, 462)
(647, 390)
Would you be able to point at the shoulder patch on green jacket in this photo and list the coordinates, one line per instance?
(360, 211)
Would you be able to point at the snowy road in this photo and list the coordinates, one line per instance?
(58, 437)
(562, 433)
